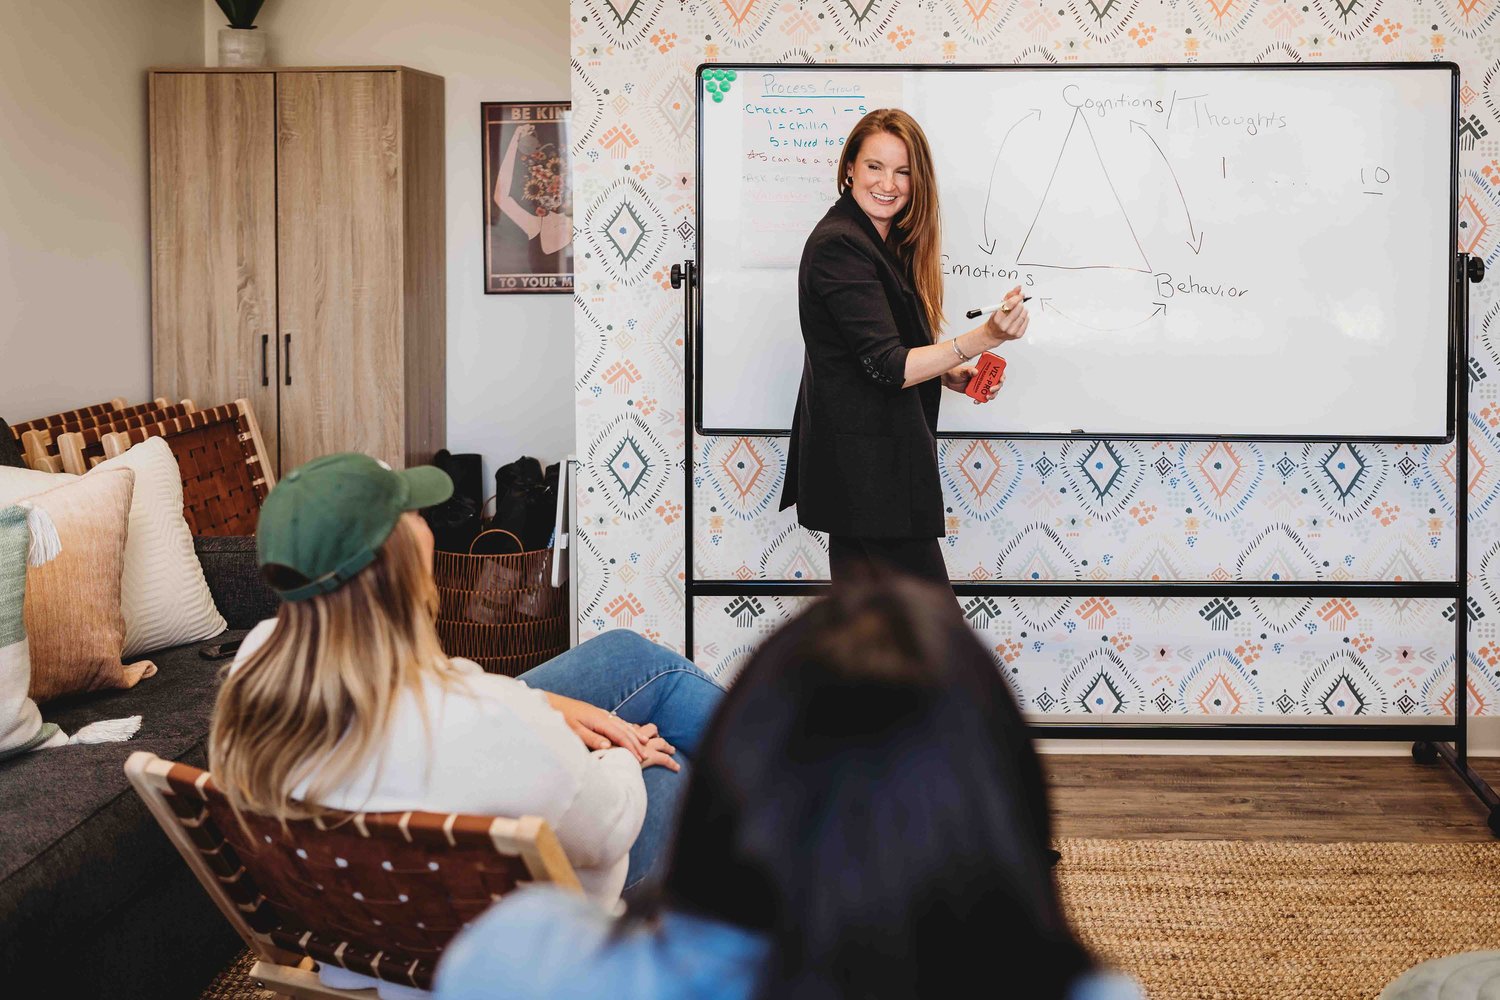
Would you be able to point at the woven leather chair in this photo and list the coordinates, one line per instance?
(380, 894)
(76, 443)
(219, 453)
(52, 420)
(34, 438)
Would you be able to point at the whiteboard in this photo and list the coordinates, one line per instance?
(1211, 251)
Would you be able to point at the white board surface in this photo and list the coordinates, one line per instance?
(1230, 251)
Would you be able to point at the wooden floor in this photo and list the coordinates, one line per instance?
(1265, 798)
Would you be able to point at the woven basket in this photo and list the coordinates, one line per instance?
(514, 666)
(501, 611)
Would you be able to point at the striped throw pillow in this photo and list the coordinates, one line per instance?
(21, 726)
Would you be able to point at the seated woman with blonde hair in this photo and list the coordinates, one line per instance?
(347, 701)
(867, 819)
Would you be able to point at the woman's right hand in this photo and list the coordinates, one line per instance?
(598, 729)
(1006, 324)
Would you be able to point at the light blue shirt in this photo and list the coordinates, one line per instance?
(546, 944)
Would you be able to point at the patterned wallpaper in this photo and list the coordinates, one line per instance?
(1074, 510)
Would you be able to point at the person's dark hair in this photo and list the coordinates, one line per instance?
(868, 798)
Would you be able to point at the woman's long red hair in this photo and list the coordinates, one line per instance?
(920, 230)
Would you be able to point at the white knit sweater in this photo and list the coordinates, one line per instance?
(492, 746)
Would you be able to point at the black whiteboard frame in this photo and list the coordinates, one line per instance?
(1436, 739)
(1433, 741)
(1453, 190)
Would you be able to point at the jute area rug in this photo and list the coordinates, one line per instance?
(1204, 920)
(1258, 920)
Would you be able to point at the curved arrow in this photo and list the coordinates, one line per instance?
(1160, 310)
(1197, 236)
(988, 246)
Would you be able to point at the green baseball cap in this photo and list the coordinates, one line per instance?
(327, 519)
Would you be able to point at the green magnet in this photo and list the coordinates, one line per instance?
(718, 98)
(729, 74)
(713, 88)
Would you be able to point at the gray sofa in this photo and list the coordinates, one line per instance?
(94, 900)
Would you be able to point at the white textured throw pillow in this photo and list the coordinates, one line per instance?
(163, 597)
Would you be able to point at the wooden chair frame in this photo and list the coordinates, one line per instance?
(36, 457)
(286, 972)
(77, 444)
(53, 419)
(35, 451)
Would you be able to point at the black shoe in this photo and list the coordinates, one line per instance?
(1053, 857)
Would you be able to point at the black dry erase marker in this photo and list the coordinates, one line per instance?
(976, 313)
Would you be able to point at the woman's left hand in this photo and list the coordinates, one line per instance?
(658, 751)
(957, 379)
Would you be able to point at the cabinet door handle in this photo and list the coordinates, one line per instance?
(265, 339)
(288, 359)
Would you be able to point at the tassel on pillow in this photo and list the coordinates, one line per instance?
(45, 545)
(108, 731)
(103, 731)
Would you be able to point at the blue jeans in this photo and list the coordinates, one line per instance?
(640, 682)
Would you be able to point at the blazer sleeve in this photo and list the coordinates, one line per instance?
(844, 277)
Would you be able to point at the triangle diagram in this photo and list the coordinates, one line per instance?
(1081, 222)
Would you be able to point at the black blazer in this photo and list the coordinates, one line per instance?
(862, 460)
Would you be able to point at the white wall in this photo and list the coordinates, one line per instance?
(510, 357)
(75, 325)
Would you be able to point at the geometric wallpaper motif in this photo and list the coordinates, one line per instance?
(1085, 510)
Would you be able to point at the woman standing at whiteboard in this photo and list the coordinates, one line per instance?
(862, 463)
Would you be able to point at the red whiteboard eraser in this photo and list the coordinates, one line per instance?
(991, 368)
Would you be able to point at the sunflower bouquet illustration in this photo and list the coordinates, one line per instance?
(544, 180)
(538, 172)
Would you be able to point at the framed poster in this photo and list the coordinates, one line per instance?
(528, 197)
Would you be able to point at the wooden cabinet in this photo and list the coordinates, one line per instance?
(213, 231)
(297, 228)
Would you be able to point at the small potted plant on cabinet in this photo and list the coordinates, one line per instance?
(241, 44)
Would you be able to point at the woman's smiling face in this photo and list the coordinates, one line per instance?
(881, 179)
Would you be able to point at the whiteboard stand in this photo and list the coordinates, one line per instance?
(1433, 742)
(1456, 753)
